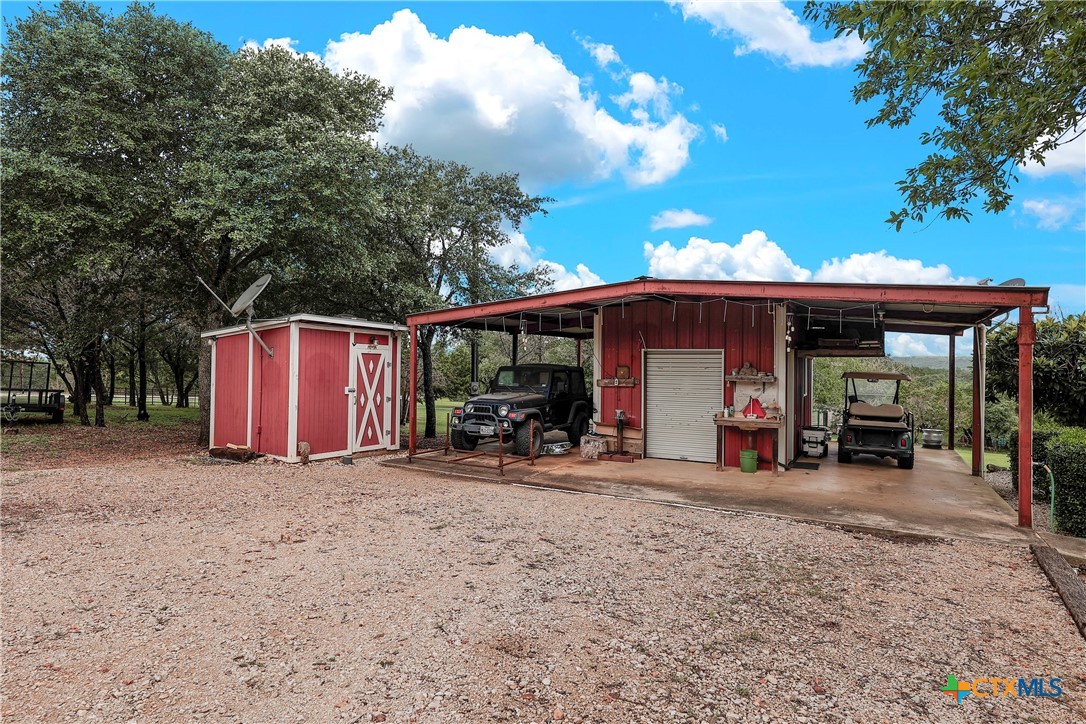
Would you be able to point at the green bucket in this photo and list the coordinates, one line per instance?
(748, 461)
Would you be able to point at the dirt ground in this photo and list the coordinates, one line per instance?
(35, 444)
(180, 590)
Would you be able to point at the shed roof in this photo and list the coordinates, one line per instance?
(318, 319)
(928, 308)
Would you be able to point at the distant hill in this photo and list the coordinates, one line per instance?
(935, 362)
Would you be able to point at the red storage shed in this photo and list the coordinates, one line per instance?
(331, 382)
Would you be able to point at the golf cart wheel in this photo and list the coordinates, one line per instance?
(529, 440)
(905, 463)
(577, 430)
(462, 440)
(844, 456)
(57, 418)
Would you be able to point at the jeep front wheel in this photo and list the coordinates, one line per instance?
(529, 440)
(462, 440)
(577, 430)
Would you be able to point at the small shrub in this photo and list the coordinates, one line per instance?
(1043, 430)
(1067, 459)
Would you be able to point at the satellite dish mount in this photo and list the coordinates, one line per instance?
(244, 305)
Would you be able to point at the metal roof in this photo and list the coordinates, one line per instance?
(933, 309)
(319, 319)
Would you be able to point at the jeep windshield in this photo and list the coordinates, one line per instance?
(521, 378)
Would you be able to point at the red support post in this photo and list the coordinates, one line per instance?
(953, 431)
(412, 390)
(1027, 335)
(978, 402)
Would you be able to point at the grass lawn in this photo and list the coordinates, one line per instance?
(1001, 459)
(444, 408)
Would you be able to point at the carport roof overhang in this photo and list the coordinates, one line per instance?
(929, 309)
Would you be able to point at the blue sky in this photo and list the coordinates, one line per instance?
(679, 140)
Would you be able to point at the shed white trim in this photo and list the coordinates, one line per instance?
(292, 395)
(211, 412)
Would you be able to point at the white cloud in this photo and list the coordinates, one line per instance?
(518, 251)
(648, 92)
(286, 43)
(564, 279)
(678, 219)
(602, 53)
(507, 103)
(755, 257)
(1051, 215)
(720, 132)
(881, 268)
(772, 28)
(906, 345)
(1070, 158)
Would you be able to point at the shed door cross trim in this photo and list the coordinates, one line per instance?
(370, 430)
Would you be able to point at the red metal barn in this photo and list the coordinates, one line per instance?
(331, 382)
(671, 355)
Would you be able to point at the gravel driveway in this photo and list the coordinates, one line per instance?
(181, 590)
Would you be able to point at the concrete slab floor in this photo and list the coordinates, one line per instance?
(938, 497)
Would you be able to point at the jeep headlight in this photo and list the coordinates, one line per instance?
(503, 410)
(469, 408)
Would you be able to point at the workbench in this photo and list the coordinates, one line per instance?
(751, 426)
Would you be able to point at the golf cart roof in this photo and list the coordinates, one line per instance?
(875, 376)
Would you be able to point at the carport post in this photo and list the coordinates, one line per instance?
(953, 398)
(516, 341)
(412, 389)
(1027, 335)
(980, 340)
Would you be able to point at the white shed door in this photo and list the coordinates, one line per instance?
(683, 390)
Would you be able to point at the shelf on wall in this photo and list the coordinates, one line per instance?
(750, 378)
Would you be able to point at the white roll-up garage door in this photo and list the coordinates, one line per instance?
(683, 390)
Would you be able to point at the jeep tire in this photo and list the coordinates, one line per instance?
(578, 429)
(844, 456)
(462, 440)
(905, 463)
(525, 442)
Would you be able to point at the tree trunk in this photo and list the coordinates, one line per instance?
(130, 394)
(179, 385)
(426, 348)
(112, 375)
(188, 389)
(141, 363)
(212, 320)
(79, 394)
(98, 385)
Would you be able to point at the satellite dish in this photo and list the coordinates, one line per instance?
(245, 301)
(1016, 282)
(244, 304)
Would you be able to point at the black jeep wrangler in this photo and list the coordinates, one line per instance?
(553, 395)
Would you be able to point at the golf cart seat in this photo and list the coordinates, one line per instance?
(876, 412)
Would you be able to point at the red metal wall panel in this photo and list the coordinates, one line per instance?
(744, 333)
(324, 359)
(271, 392)
(231, 408)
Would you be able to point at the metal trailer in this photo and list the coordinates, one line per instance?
(26, 386)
